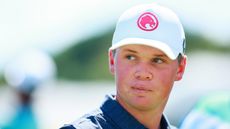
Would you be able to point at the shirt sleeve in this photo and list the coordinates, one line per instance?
(68, 127)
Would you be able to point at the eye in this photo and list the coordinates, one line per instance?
(158, 60)
(130, 57)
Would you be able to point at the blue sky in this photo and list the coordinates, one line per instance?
(54, 24)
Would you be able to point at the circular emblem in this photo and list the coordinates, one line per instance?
(147, 22)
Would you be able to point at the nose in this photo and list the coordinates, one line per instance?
(143, 75)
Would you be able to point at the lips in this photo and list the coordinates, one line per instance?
(141, 89)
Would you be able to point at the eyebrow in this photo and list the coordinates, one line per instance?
(156, 55)
(129, 50)
(161, 55)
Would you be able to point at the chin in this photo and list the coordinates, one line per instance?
(142, 103)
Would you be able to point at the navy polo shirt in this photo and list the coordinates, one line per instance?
(111, 115)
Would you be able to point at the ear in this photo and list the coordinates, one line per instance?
(111, 61)
(181, 68)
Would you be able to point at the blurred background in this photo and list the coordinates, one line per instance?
(74, 36)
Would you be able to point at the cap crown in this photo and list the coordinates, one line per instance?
(152, 25)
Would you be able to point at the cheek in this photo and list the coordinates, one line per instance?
(122, 70)
(123, 74)
(166, 78)
(171, 72)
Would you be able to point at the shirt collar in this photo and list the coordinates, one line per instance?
(122, 118)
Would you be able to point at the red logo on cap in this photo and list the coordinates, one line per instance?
(147, 22)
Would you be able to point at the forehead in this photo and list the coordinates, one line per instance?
(141, 49)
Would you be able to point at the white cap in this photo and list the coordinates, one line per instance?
(151, 25)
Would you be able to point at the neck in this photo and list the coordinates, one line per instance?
(150, 118)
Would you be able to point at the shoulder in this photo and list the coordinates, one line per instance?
(68, 127)
(173, 127)
(93, 120)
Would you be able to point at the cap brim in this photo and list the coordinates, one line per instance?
(152, 43)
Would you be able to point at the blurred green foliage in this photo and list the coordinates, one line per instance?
(2, 81)
(88, 59)
(196, 42)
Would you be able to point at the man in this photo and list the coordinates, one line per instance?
(146, 57)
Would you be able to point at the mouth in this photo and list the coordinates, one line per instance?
(140, 89)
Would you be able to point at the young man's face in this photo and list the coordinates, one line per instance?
(144, 76)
